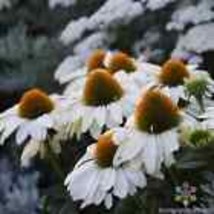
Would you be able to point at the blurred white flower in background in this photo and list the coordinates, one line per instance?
(5, 4)
(64, 3)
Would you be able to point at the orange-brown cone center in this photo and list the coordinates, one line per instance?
(156, 113)
(105, 150)
(101, 88)
(96, 59)
(173, 73)
(34, 103)
(121, 61)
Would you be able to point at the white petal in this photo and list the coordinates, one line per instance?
(151, 155)
(108, 201)
(78, 182)
(37, 132)
(129, 149)
(22, 133)
(100, 114)
(115, 112)
(107, 179)
(87, 119)
(45, 121)
(30, 150)
(93, 188)
(95, 130)
(10, 126)
(121, 186)
(137, 178)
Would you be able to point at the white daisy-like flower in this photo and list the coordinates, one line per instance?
(152, 133)
(96, 178)
(124, 68)
(133, 71)
(32, 117)
(172, 77)
(76, 78)
(176, 77)
(103, 102)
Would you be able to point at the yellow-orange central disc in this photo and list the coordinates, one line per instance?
(101, 88)
(96, 59)
(173, 73)
(121, 61)
(34, 103)
(105, 150)
(156, 113)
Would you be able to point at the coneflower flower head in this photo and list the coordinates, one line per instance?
(35, 103)
(155, 112)
(101, 88)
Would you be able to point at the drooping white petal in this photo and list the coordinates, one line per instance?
(129, 149)
(30, 150)
(108, 201)
(107, 179)
(121, 186)
(9, 125)
(22, 133)
(100, 115)
(151, 155)
(115, 112)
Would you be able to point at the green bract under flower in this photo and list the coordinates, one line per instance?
(101, 88)
(200, 137)
(156, 113)
(105, 150)
(96, 59)
(173, 73)
(197, 87)
(34, 103)
(121, 61)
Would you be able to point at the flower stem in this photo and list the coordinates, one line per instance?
(53, 160)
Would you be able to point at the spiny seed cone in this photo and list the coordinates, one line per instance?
(101, 88)
(156, 113)
(96, 59)
(121, 61)
(105, 149)
(173, 73)
(34, 103)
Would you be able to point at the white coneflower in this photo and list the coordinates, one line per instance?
(172, 76)
(77, 78)
(121, 66)
(96, 179)
(152, 133)
(179, 79)
(137, 73)
(31, 118)
(103, 102)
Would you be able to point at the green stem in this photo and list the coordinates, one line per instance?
(201, 104)
(172, 175)
(153, 204)
(53, 160)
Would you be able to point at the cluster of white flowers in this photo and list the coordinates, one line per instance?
(64, 3)
(5, 4)
(197, 40)
(132, 110)
(185, 15)
(98, 30)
